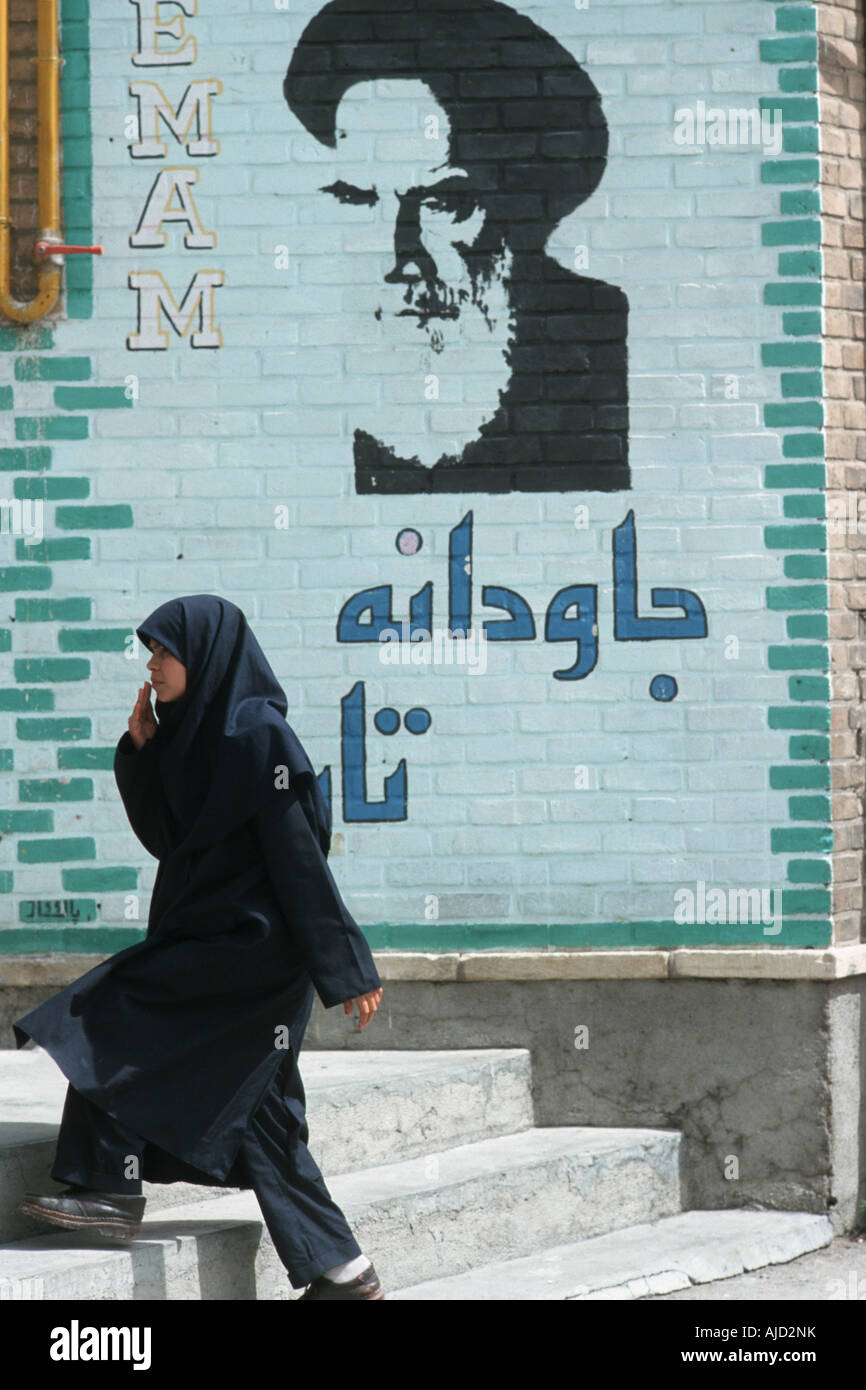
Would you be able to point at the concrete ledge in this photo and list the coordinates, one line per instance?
(706, 963)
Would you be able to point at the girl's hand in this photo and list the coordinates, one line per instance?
(367, 1006)
(142, 722)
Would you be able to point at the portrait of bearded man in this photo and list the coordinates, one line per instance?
(495, 368)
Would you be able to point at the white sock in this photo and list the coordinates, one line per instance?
(341, 1274)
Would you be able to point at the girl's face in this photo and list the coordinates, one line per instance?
(167, 674)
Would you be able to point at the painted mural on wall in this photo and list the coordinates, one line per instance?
(511, 138)
(505, 151)
(446, 340)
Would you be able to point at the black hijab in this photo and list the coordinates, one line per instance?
(222, 745)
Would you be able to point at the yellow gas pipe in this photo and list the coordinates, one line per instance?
(48, 62)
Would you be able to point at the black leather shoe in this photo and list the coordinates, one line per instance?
(364, 1285)
(78, 1208)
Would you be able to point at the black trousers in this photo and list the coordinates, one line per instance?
(308, 1229)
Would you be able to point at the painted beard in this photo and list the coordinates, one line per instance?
(465, 331)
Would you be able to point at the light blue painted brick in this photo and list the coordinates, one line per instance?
(663, 225)
(620, 53)
(720, 415)
(711, 51)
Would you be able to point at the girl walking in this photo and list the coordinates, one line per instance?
(181, 1052)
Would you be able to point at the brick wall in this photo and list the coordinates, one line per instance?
(552, 800)
(22, 146)
(841, 68)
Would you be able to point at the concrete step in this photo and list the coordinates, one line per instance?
(694, 1247)
(432, 1216)
(363, 1109)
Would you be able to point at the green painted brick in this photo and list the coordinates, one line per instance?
(802, 49)
(76, 34)
(103, 941)
(7, 759)
(14, 460)
(798, 80)
(790, 170)
(76, 153)
(809, 687)
(801, 262)
(94, 518)
(13, 700)
(803, 778)
(791, 354)
(53, 368)
(802, 597)
(810, 871)
(806, 900)
(490, 935)
(795, 384)
(800, 140)
(77, 65)
(7, 401)
(79, 302)
(73, 910)
(110, 879)
(55, 789)
(805, 566)
(797, 202)
(796, 17)
(53, 851)
(793, 413)
(796, 232)
(809, 626)
(805, 504)
(791, 109)
(11, 822)
(794, 292)
(803, 717)
(75, 758)
(93, 639)
(52, 730)
(75, 123)
(5, 639)
(795, 537)
(798, 658)
(53, 610)
(802, 840)
(809, 747)
(11, 336)
(91, 398)
(51, 668)
(24, 577)
(52, 427)
(809, 807)
(607, 934)
(67, 940)
(6, 881)
(77, 183)
(779, 475)
(52, 489)
(64, 548)
(77, 93)
(803, 446)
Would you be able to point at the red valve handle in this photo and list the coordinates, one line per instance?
(57, 248)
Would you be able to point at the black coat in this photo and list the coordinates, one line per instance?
(181, 1035)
